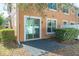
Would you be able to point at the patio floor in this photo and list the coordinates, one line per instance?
(41, 47)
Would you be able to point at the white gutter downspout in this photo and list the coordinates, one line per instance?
(18, 39)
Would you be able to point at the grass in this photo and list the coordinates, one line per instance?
(4, 51)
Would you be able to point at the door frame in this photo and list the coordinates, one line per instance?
(25, 18)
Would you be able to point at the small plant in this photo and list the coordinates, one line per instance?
(66, 34)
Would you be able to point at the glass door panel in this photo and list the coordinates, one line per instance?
(49, 26)
(29, 28)
(32, 28)
(36, 28)
(53, 25)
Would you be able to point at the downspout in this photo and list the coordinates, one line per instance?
(18, 39)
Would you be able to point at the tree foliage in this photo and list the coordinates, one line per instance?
(9, 7)
(9, 10)
(39, 6)
(1, 20)
(42, 6)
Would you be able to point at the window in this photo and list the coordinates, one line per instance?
(78, 14)
(72, 23)
(51, 25)
(52, 6)
(65, 9)
(72, 9)
(65, 23)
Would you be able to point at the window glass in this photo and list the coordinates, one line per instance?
(65, 23)
(51, 25)
(52, 6)
(65, 9)
(72, 23)
(78, 14)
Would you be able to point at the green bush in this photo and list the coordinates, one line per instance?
(7, 34)
(66, 34)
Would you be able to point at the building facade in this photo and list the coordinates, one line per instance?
(38, 21)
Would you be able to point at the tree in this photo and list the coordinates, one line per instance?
(40, 7)
(1, 20)
(9, 9)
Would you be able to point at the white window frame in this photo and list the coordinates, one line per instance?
(65, 12)
(54, 9)
(65, 21)
(72, 22)
(47, 25)
(25, 16)
(77, 14)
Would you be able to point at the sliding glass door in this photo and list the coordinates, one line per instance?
(32, 28)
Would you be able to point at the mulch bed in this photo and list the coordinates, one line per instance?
(70, 42)
(71, 50)
(9, 44)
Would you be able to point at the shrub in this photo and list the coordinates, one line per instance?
(7, 34)
(66, 34)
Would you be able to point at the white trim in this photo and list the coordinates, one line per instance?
(72, 22)
(47, 25)
(66, 13)
(65, 21)
(53, 9)
(25, 28)
(17, 25)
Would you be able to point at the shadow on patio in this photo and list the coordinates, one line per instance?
(39, 47)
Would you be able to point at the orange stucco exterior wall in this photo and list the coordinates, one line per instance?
(58, 15)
